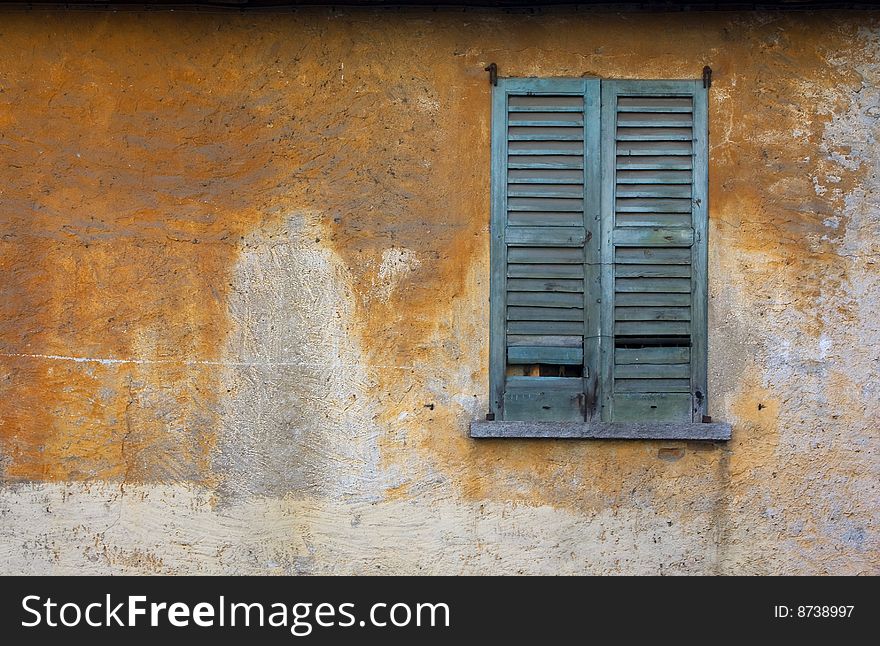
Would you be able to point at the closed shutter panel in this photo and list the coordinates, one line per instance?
(654, 244)
(545, 150)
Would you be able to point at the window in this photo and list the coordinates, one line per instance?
(598, 259)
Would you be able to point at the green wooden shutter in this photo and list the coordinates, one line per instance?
(545, 199)
(654, 210)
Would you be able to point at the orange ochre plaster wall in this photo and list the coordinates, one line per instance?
(244, 298)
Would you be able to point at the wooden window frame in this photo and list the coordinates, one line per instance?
(599, 96)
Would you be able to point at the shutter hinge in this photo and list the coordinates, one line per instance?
(493, 73)
(699, 411)
(589, 399)
(490, 417)
(707, 77)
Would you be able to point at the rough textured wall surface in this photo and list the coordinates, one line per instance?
(243, 306)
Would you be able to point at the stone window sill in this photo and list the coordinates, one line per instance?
(711, 431)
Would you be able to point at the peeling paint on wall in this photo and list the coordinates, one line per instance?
(245, 278)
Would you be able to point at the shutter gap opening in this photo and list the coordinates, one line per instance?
(544, 370)
(635, 343)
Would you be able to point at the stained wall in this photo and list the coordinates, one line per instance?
(244, 298)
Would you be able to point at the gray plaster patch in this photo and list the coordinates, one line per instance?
(295, 419)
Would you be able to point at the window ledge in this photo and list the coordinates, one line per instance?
(712, 431)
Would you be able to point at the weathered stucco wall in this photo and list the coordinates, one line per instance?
(243, 305)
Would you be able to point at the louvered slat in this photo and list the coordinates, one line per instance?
(650, 144)
(645, 358)
(544, 173)
(553, 199)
